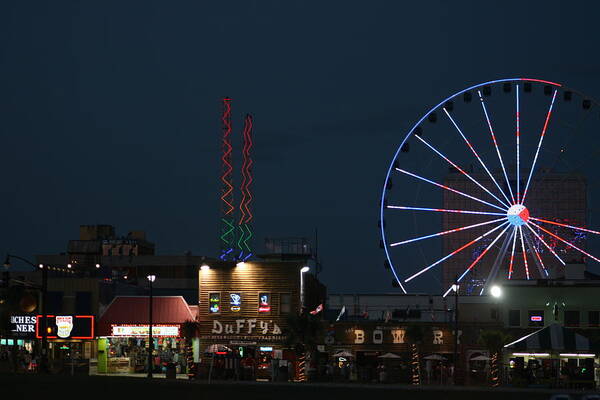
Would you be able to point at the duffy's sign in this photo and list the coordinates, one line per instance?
(246, 329)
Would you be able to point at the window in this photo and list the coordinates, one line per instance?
(285, 302)
(214, 303)
(83, 303)
(514, 318)
(571, 318)
(494, 313)
(264, 302)
(594, 318)
(536, 318)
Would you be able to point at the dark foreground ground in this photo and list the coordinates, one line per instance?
(13, 387)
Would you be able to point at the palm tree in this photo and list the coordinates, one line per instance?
(189, 330)
(303, 334)
(414, 335)
(494, 340)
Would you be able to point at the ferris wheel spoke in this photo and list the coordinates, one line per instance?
(479, 257)
(524, 253)
(487, 118)
(577, 228)
(460, 170)
(544, 242)
(566, 242)
(449, 188)
(537, 151)
(445, 210)
(518, 134)
(463, 228)
(470, 146)
(455, 252)
(537, 259)
(512, 254)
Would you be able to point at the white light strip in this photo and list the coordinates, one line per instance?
(496, 145)
(531, 354)
(537, 152)
(459, 169)
(577, 355)
(476, 155)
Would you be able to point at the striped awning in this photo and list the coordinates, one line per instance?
(551, 338)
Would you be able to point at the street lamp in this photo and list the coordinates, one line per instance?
(456, 288)
(302, 271)
(151, 279)
(44, 288)
(496, 291)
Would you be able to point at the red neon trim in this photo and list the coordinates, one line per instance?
(37, 332)
(227, 167)
(541, 81)
(565, 225)
(568, 243)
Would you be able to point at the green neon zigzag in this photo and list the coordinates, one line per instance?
(229, 229)
(248, 237)
(241, 238)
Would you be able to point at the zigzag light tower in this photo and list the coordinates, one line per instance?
(227, 231)
(244, 225)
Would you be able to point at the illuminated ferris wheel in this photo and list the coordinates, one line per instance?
(498, 176)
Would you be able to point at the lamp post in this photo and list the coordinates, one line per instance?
(456, 288)
(44, 325)
(151, 279)
(302, 300)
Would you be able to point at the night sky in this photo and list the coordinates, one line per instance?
(109, 111)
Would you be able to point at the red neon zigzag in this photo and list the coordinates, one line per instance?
(225, 178)
(244, 176)
(248, 173)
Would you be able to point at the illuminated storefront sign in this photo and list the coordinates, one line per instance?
(264, 302)
(536, 318)
(22, 325)
(142, 330)
(66, 326)
(246, 327)
(235, 301)
(214, 303)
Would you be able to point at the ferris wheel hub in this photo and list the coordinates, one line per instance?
(518, 215)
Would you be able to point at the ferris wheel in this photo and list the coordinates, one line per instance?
(498, 176)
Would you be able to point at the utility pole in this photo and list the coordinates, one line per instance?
(455, 329)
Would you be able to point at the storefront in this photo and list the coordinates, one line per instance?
(369, 351)
(246, 311)
(71, 341)
(21, 328)
(553, 356)
(123, 334)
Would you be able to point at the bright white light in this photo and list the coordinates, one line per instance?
(496, 291)
(576, 355)
(41, 266)
(151, 278)
(455, 287)
(69, 266)
(241, 264)
(304, 269)
(97, 265)
(532, 354)
(204, 267)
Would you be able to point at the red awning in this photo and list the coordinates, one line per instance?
(133, 310)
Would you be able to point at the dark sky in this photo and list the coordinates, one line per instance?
(109, 111)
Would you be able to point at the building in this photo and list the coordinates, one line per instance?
(245, 309)
(556, 196)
